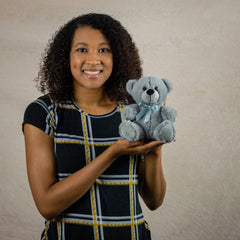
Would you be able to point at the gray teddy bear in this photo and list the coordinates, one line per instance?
(148, 117)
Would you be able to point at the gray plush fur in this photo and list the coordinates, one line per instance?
(157, 124)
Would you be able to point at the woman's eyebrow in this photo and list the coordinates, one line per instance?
(104, 43)
(85, 44)
(80, 43)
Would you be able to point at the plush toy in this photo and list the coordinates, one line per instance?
(148, 118)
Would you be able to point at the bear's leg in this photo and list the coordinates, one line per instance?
(131, 131)
(165, 132)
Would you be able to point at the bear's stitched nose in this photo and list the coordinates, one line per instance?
(150, 91)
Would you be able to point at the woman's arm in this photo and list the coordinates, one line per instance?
(152, 184)
(53, 197)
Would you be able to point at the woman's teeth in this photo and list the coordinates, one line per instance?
(92, 72)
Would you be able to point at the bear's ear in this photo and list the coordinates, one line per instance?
(168, 84)
(130, 85)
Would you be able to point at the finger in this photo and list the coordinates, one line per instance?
(153, 144)
(135, 144)
(143, 148)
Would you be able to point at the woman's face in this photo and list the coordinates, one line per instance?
(91, 59)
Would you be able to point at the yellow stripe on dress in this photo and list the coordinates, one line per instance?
(102, 224)
(83, 143)
(116, 183)
(51, 124)
(46, 229)
(92, 188)
(59, 230)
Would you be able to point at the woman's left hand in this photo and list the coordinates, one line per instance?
(156, 149)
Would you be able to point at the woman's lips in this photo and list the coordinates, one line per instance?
(92, 73)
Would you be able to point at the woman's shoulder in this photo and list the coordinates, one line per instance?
(38, 114)
(46, 99)
(40, 106)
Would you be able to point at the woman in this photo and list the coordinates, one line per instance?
(83, 177)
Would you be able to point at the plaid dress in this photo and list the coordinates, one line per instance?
(110, 210)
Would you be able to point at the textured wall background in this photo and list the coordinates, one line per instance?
(193, 43)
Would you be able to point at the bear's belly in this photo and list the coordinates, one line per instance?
(150, 126)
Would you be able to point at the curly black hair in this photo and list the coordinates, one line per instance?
(55, 76)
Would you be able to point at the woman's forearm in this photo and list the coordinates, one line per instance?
(63, 194)
(153, 185)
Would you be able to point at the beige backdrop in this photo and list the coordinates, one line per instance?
(193, 43)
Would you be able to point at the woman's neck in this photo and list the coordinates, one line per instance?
(94, 102)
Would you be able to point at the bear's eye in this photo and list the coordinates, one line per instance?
(144, 88)
(156, 88)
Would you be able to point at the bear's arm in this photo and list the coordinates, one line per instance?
(168, 113)
(130, 111)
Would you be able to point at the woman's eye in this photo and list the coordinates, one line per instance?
(144, 88)
(83, 50)
(104, 50)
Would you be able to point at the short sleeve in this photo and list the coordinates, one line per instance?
(40, 114)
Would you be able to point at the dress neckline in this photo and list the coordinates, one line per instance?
(94, 115)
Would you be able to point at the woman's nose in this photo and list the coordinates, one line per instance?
(93, 59)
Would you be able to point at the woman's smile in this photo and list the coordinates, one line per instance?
(92, 73)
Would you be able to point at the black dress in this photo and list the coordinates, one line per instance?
(110, 209)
